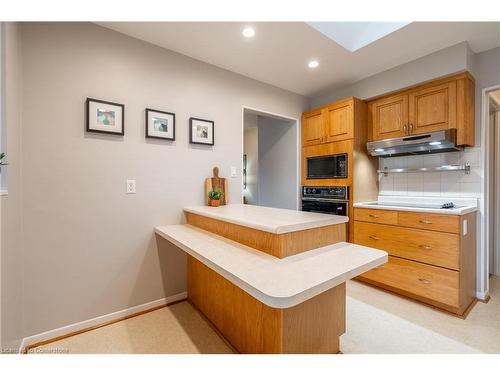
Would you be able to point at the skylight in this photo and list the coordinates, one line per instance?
(355, 35)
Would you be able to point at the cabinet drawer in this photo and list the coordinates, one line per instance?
(376, 216)
(435, 248)
(441, 223)
(433, 283)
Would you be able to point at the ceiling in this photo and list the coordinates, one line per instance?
(279, 52)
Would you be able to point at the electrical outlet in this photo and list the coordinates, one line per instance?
(234, 172)
(130, 186)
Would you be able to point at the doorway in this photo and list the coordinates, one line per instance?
(494, 182)
(270, 160)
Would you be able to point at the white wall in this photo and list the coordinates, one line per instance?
(12, 252)
(251, 149)
(89, 248)
(278, 164)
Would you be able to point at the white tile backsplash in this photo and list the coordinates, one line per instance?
(416, 184)
(401, 183)
(432, 184)
(451, 184)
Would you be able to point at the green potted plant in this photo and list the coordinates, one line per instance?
(2, 156)
(214, 197)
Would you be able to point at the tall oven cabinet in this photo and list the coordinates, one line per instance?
(341, 128)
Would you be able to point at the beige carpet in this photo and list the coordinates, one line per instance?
(410, 327)
(377, 322)
(175, 329)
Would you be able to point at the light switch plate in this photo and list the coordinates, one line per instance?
(234, 172)
(464, 228)
(131, 187)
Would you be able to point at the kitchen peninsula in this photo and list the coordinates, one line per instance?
(271, 280)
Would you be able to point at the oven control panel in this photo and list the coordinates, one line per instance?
(328, 192)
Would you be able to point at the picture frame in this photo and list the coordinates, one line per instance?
(201, 132)
(104, 117)
(160, 124)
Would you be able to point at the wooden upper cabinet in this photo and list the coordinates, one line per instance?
(388, 117)
(313, 125)
(339, 121)
(433, 108)
(446, 103)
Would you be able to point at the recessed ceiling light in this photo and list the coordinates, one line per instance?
(248, 32)
(313, 64)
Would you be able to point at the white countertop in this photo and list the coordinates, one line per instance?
(273, 220)
(279, 283)
(465, 205)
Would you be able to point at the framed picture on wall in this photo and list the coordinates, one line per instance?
(104, 117)
(201, 131)
(160, 124)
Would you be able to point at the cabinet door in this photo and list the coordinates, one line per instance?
(389, 117)
(339, 122)
(313, 127)
(433, 108)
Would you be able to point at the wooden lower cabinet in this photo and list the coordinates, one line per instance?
(431, 258)
(420, 281)
(440, 249)
(311, 327)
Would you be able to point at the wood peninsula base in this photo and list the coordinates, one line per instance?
(280, 245)
(270, 280)
(313, 326)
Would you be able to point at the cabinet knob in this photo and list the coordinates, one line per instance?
(424, 281)
(375, 238)
(426, 247)
(426, 221)
(411, 128)
(374, 216)
(404, 129)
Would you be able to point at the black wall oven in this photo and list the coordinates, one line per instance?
(327, 167)
(326, 199)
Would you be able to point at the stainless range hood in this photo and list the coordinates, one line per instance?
(441, 141)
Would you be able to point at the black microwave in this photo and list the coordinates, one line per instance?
(327, 167)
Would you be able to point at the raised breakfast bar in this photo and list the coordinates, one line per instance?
(270, 280)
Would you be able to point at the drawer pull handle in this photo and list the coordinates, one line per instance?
(426, 247)
(424, 281)
(426, 221)
(375, 238)
(374, 216)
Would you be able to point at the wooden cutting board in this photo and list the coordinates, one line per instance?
(216, 182)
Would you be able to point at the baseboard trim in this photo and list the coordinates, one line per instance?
(482, 296)
(97, 322)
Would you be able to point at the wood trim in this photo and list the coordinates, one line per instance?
(434, 81)
(80, 331)
(466, 111)
(467, 280)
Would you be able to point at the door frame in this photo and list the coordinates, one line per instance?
(496, 239)
(485, 195)
(297, 131)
